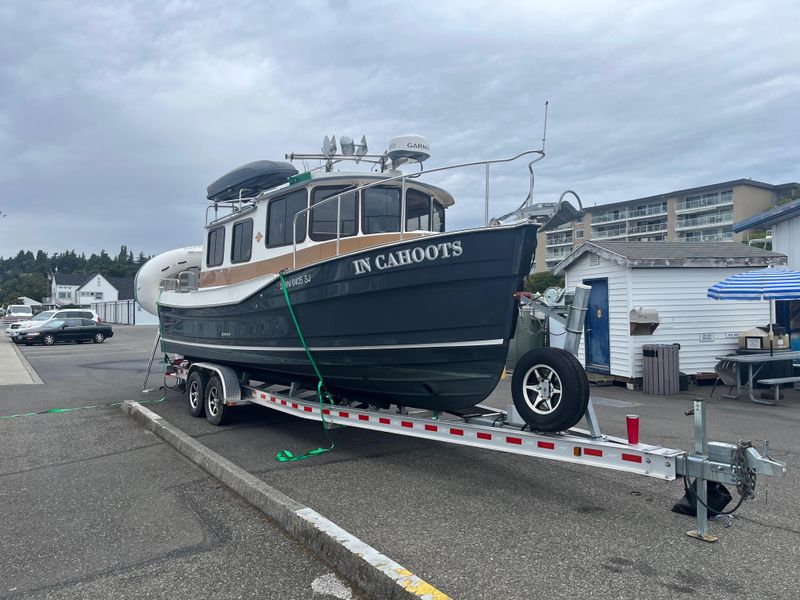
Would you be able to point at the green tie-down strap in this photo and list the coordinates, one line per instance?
(322, 393)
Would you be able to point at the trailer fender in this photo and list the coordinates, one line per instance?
(231, 389)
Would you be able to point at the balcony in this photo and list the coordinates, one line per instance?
(649, 211)
(610, 234)
(609, 217)
(722, 236)
(717, 219)
(558, 240)
(706, 202)
(557, 254)
(652, 228)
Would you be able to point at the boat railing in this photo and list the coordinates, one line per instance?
(402, 178)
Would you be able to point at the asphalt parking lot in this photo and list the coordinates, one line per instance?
(98, 502)
(96, 507)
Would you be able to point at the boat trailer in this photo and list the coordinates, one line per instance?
(502, 430)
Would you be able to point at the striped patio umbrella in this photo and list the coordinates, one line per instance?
(764, 284)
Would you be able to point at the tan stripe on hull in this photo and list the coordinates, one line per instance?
(305, 256)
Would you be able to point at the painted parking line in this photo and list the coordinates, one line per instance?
(72, 355)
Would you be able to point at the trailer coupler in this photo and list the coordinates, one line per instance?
(734, 464)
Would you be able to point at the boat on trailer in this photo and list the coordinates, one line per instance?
(391, 307)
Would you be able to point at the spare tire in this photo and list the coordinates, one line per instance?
(550, 389)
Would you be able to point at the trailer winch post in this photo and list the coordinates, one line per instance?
(576, 315)
(701, 491)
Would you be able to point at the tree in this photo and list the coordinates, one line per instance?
(539, 282)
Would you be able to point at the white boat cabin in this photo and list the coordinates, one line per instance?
(256, 238)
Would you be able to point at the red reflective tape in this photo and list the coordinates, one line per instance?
(326, 411)
(385, 421)
(592, 452)
(363, 417)
(484, 436)
(273, 398)
(407, 424)
(431, 428)
(632, 457)
(344, 414)
(454, 431)
(513, 440)
(307, 408)
(283, 402)
(264, 396)
(546, 445)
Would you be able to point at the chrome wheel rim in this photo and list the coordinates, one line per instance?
(542, 389)
(49, 339)
(213, 401)
(194, 395)
(98, 337)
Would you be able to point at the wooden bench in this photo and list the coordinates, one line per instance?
(777, 382)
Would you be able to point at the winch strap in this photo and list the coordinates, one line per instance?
(322, 393)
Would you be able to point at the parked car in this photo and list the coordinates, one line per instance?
(45, 317)
(16, 313)
(66, 330)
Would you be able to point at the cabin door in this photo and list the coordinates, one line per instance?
(598, 348)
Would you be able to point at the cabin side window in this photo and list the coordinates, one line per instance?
(438, 217)
(380, 209)
(418, 211)
(215, 250)
(280, 218)
(323, 218)
(242, 241)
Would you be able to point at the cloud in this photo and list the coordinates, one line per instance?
(115, 116)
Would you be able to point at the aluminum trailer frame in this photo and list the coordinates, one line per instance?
(492, 430)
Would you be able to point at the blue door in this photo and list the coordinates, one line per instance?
(598, 349)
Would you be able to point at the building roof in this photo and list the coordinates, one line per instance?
(76, 279)
(124, 286)
(770, 217)
(692, 191)
(639, 255)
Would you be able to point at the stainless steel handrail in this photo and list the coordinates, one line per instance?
(401, 177)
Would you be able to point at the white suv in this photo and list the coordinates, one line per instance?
(45, 317)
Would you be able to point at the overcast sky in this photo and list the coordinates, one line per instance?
(115, 116)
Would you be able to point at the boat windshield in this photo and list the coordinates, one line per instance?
(381, 209)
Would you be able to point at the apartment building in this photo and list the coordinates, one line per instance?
(700, 214)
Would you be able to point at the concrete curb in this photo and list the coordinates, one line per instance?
(35, 379)
(370, 570)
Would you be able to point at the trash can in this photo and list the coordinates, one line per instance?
(529, 334)
(661, 369)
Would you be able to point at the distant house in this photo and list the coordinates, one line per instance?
(82, 289)
(28, 301)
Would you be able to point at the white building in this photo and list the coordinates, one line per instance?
(83, 290)
(671, 278)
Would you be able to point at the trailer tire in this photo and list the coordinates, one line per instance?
(216, 411)
(196, 394)
(550, 389)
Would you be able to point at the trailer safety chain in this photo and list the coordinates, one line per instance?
(322, 393)
(745, 480)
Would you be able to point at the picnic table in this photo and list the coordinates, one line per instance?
(759, 359)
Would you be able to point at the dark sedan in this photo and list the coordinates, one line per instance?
(66, 330)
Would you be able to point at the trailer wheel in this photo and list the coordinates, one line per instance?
(195, 394)
(216, 411)
(550, 389)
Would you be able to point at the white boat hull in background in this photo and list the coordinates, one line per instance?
(165, 265)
